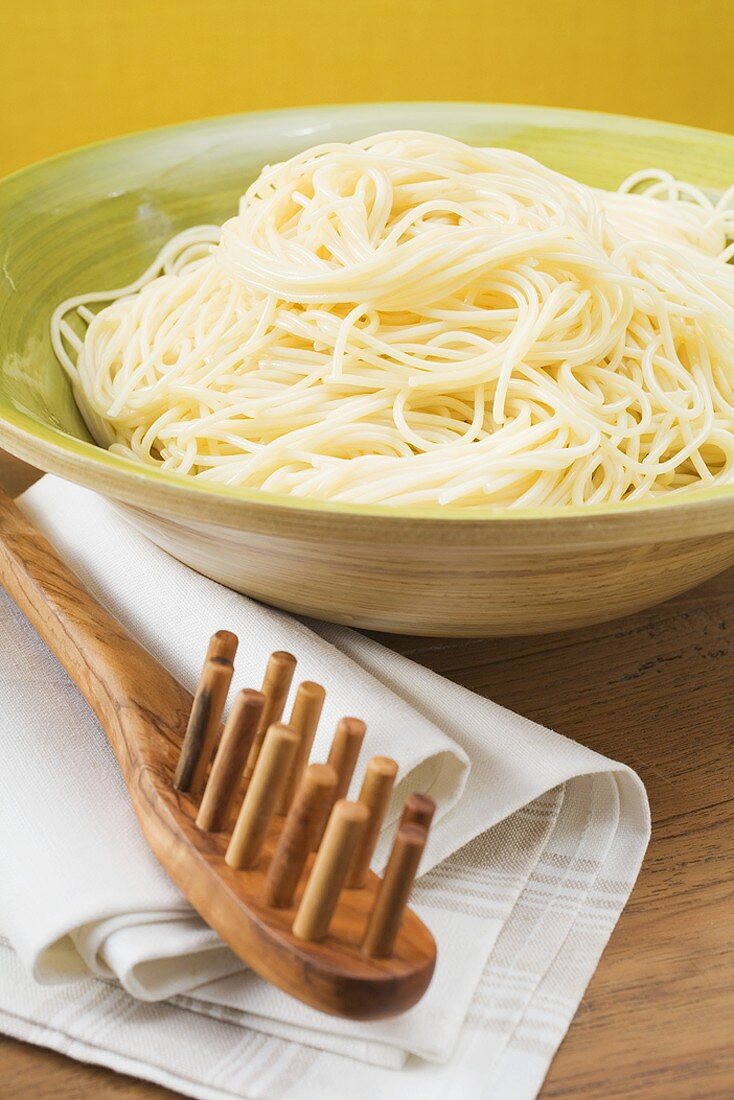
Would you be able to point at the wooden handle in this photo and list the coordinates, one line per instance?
(118, 678)
(144, 713)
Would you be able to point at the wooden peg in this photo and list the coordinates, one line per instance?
(203, 728)
(275, 688)
(222, 644)
(279, 748)
(377, 786)
(304, 719)
(142, 717)
(344, 751)
(344, 831)
(343, 757)
(392, 896)
(418, 809)
(226, 774)
(314, 792)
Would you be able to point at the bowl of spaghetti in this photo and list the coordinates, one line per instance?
(449, 369)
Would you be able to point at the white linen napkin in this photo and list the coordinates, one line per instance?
(536, 844)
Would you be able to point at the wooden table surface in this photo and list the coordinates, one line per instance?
(653, 690)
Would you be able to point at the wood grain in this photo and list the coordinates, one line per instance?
(304, 720)
(507, 578)
(395, 888)
(202, 732)
(377, 785)
(258, 809)
(344, 832)
(225, 779)
(144, 713)
(653, 690)
(275, 687)
(344, 752)
(343, 756)
(418, 809)
(313, 794)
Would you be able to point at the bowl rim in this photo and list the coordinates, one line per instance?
(705, 510)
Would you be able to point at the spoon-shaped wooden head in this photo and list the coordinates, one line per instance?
(342, 942)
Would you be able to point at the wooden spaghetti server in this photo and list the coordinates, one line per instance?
(265, 845)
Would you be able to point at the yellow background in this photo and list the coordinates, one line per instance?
(75, 71)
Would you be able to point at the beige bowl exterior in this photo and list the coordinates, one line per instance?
(94, 218)
(409, 574)
(427, 587)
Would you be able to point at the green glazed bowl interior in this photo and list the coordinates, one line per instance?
(93, 219)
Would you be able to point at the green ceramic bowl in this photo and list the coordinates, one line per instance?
(93, 218)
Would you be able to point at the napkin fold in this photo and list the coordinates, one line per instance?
(535, 847)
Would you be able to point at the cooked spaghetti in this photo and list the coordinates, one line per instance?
(408, 320)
